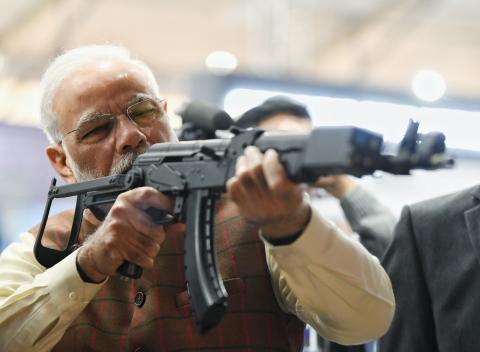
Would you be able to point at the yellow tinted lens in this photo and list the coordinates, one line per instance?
(144, 113)
(96, 130)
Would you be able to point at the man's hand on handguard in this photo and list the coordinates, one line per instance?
(127, 233)
(337, 185)
(265, 196)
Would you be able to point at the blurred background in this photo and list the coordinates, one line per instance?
(370, 63)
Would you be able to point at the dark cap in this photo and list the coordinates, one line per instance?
(270, 107)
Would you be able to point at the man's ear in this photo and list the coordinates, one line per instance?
(58, 159)
(165, 106)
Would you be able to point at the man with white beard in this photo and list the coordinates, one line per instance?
(282, 263)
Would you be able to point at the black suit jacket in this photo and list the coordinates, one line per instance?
(434, 265)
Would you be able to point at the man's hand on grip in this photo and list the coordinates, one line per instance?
(127, 234)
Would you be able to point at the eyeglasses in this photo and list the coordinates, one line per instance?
(98, 126)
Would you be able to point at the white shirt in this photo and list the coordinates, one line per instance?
(327, 279)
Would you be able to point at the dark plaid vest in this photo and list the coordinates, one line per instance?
(153, 314)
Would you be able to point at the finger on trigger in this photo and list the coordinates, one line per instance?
(146, 197)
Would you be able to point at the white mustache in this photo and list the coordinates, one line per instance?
(126, 162)
(120, 167)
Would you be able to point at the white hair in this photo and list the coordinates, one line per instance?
(69, 62)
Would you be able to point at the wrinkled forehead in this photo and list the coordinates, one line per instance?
(100, 86)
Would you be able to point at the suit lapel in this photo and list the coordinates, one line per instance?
(472, 219)
(476, 193)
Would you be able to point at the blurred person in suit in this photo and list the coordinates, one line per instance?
(283, 264)
(371, 220)
(434, 265)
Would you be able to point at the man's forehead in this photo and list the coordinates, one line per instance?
(97, 83)
(105, 75)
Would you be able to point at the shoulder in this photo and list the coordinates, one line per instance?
(447, 205)
(434, 222)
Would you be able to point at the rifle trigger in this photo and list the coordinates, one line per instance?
(159, 216)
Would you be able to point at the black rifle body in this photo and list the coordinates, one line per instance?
(196, 172)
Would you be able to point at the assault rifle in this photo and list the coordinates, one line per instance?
(196, 172)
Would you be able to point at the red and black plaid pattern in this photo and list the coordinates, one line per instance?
(253, 321)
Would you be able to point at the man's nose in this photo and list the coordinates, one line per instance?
(129, 136)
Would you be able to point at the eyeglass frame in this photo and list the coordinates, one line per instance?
(157, 101)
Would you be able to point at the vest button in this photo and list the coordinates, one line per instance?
(139, 299)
